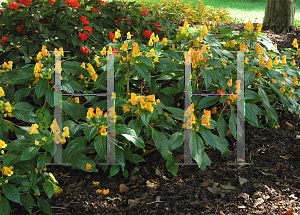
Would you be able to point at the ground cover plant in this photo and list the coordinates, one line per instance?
(149, 89)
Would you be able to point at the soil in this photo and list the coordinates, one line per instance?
(270, 186)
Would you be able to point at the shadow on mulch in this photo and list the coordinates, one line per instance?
(270, 186)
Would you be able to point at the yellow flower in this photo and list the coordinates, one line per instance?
(103, 52)
(54, 127)
(2, 144)
(274, 81)
(296, 83)
(282, 89)
(63, 141)
(103, 131)
(276, 61)
(156, 39)
(90, 113)
(98, 191)
(8, 170)
(124, 47)
(36, 170)
(269, 63)
(76, 100)
(227, 44)
(81, 77)
(165, 40)
(149, 107)
(261, 60)
(293, 62)
(259, 49)
(2, 93)
(128, 36)
(283, 59)
(109, 50)
(105, 192)
(66, 132)
(232, 43)
(284, 75)
(126, 108)
(98, 112)
(88, 166)
(83, 65)
(33, 129)
(152, 37)
(45, 169)
(295, 44)
(96, 183)
(36, 142)
(98, 63)
(229, 83)
(117, 34)
(150, 42)
(57, 139)
(193, 118)
(156, 59)
(246, 60)
(39, 56)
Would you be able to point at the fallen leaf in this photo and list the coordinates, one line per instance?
(289, 126)
(286, 156)
(66, 174)
(289, 212)
(206, 183)
(134, 177)
(227, 187)
(123, 188)
(243, 181)
(221, 213)
(176, 178)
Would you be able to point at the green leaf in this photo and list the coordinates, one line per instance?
(282, 98)
(23, 106)
(137, 141)
(4, 206)
(222, 129)
(74, 109)
(90, 132)
(41, 87)
(21, 94)
(177, 113)
(172, 167)
(44, 205)
(81, 161)
(145, 118)
(100, 146)
(42, 160)
(143, 71)
(11, 192)
(232, 124)
(251, 115)
(114, 169)
(76, 146)
(27, 200)
(208, 137)
(249, 78)
(74, 67)
(208, 101)
(45, 118)
(146, 61)
(197, 148)
(29, 153)
(222, 145)
(25, 116)
(7, 21)
(207, 77)
(176, 140)
(169, 91)
(48, 188)
(19, 144)
(136, 125)
(250, 94)
(162, 144)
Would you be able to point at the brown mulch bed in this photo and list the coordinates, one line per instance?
(270, 186)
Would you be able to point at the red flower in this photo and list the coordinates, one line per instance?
(72, 3)
(13, 5)
(129, 22)
(84, 50)
(158, 28)
(83, 36)
(116, 21)
(156, 23)
(147, 34)
(88, 28)
(51, 3)
(102, 3)
(144, 12)
(20, 28)
(3, 40)
(25, 2)
(84, 20)
(95, 10)
(134, 34)
(111, 36)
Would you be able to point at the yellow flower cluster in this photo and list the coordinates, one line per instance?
(56, 131)
(92, 72)
(33, 129)
(98, 63)
(259, 49)
(295, 43)
(152, 54)
(91, 114)
(192, 120)
(295, 81)
(248, 26)
(7, 108)
(7, 171)
(44, 52)
(145, 102)
(2, 93)
(269, 63)
(38, 67)
(2, 144)
(135, 50)
(8, 66)
(206, 118)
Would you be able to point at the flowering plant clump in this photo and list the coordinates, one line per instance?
(150, 57)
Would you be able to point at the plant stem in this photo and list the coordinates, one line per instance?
(147, 152)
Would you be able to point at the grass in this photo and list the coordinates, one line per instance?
(243, 10)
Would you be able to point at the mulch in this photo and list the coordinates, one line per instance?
(270, 186)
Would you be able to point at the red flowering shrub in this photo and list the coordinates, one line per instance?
(144, 12)
(72, 3)
(20, 28)
(111, 36)
(147, 34)
(95, 10)
(103, 3)
(3, 40)
(158, 28)
(88, 28)
(84, 20)
(13, 5)
(51, 3)
(25, 2)
(84, 50)
(83, 36)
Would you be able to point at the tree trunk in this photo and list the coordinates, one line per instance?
(279, 16)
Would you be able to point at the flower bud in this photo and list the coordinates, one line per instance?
(18, 46)
(75, 27)
(75, 10)
(32, 15)
(41, 17)
(11, 44)
(93, 48)
(30, 58)
(56, 38)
